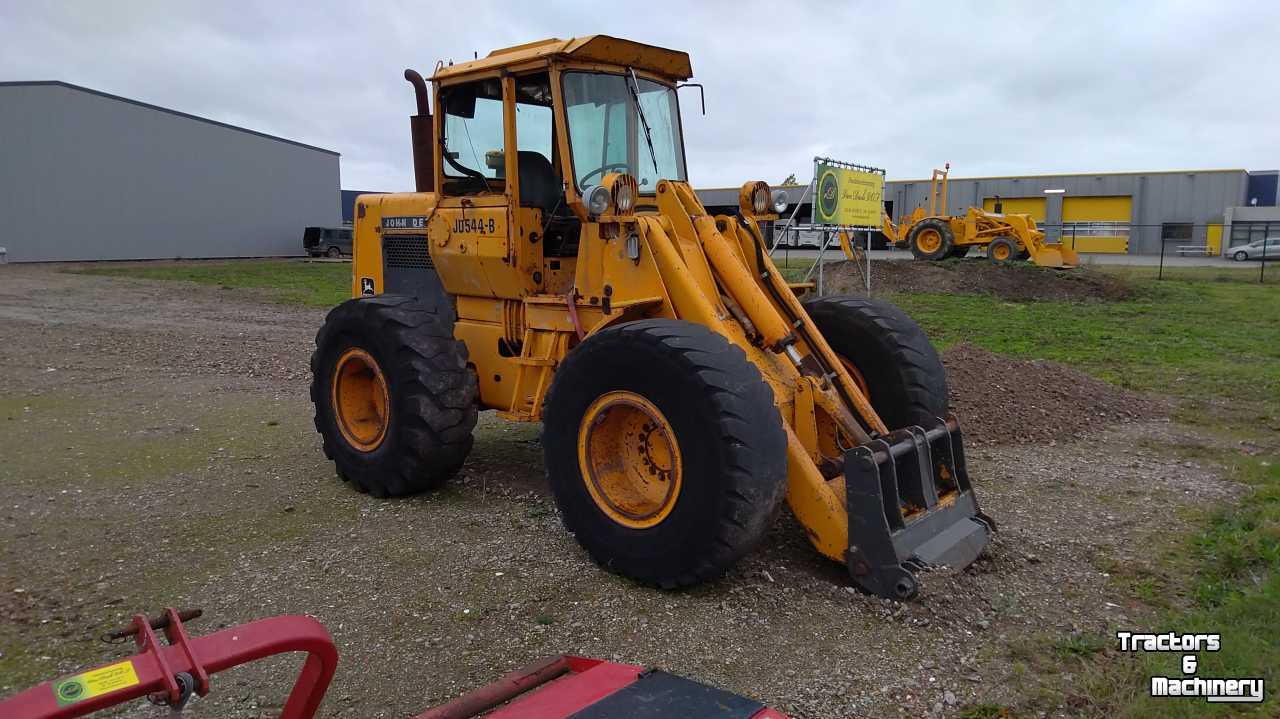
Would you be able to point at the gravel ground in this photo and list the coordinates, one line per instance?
(158, 450)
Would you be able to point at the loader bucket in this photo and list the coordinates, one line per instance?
(911, 506)
(1055, 255)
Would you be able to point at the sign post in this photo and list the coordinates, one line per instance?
(846, 197)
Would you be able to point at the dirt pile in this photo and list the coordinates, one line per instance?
(1002, 400)
(1018, 282)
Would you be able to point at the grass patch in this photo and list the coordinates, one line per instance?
(317, 284)
(1197, 341)
(793, 269)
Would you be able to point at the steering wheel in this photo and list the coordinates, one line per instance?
(582, 184)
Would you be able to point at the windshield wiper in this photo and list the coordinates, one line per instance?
(634, 87)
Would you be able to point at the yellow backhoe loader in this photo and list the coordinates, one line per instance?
(555, 265)
(1004, 237)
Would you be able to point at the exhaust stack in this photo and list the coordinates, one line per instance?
(421, 131)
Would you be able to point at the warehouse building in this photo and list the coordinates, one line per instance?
(85, 175)
(1120, 212)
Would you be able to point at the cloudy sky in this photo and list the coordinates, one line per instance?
(991, 87)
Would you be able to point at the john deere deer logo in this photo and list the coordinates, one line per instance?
(828, 195)
(70, 690)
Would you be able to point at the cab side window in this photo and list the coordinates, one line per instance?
(533, 114)
(473, 130)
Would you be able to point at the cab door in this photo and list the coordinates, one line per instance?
(480, 240)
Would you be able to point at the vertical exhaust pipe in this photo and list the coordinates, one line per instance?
(421, 132)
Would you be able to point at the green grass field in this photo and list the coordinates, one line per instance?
(317, 284)
(1207, 338)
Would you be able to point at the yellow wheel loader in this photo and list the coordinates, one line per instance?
(1004, 237)
(555, 266)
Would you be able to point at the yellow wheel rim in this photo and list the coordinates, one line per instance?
(630, 459)
(857, 377)
(929, 240)
(1001, 252)
(360, 399)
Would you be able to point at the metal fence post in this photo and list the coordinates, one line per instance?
(822, 251)
(867, 251)
(1160, 274)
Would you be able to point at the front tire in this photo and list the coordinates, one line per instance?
(895, 363)
(664, 450)
(395, 401)
(1002, 250)
(1240, 256)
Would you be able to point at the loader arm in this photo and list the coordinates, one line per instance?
(716, 274)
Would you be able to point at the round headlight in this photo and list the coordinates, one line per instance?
(780, 202)
(760, 199)
(596, 199)
(624, 190)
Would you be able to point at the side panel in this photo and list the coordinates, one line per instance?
(391, 248)
(479, 251)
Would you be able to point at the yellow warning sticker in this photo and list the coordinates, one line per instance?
(95, 683)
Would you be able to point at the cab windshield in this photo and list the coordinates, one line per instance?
(607, 133)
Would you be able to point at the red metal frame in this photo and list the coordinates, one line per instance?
(157, 665)
(555, 687)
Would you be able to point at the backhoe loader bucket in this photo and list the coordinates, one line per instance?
(911, 506)
(1054, 255)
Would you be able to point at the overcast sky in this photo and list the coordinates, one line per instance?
(993, 88)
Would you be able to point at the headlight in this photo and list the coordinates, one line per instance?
(780, 202)
(596, 199)
(755, 198)
(623, 189)
(760, 199)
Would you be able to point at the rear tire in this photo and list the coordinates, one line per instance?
(422, 432)
(730, 451)
(931, 239)
(334, 252)
(902, 372)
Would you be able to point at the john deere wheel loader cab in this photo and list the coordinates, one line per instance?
(555, 266)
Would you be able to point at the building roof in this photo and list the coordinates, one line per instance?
(1083, 174)
(592, 48)
(197, 118)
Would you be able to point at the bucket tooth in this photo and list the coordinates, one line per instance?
(911, 506)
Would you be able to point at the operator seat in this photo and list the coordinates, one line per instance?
(539, 186)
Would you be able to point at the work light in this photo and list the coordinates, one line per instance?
(760, 198)
(623, 188)
(780, 201)
(596, 199)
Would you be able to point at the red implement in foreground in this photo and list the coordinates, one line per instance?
(169, 674)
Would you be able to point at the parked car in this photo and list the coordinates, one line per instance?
(328, 241)
(1254, 250)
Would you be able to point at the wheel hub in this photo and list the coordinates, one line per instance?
(929, 240)
(1001, 252)
(360, 399)
(630, 460)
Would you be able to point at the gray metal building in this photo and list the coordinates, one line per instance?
(89, 176)
(1133, 212)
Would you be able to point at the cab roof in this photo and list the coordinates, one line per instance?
(592, 48)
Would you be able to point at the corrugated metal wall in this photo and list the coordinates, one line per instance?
(1198, 197)
(90, 177)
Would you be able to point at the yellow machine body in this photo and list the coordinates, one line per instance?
(520, 312)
